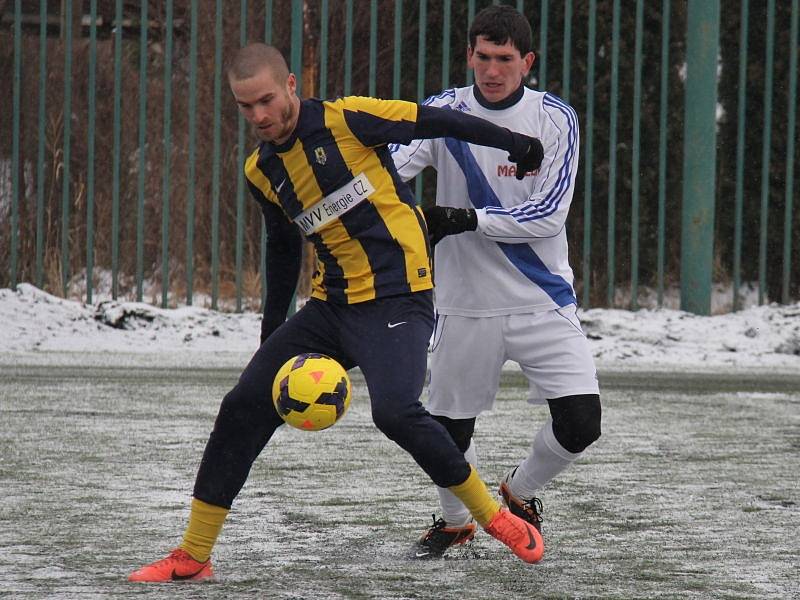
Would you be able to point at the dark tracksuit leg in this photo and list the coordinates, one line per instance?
(247, 418)
(394, 363)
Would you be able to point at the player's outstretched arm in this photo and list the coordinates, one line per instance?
(282, 267)
(523, 150)
(377, 122)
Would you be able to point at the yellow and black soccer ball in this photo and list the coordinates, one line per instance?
(311, 391)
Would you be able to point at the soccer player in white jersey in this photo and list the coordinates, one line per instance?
(504, 284)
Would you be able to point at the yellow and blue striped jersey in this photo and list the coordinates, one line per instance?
(335, 179)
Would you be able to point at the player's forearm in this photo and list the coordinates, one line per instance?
(523, 223)
(281, 275)
(435, 122)
(282, 268)
(524, 151)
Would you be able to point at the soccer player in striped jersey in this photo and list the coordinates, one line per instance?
(323, 170)
(504, 284)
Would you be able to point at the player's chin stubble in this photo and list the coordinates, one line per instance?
(287, 116)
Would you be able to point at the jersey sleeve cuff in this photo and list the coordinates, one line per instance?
(480, 213)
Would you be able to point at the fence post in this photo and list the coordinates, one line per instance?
(40, 168)
(90, 158)
(740, 125)
(117, 150)
(296, 52)
(144, 28)
(662, 150)
(790, 127)
(766, 147)
(612, 157)
(191, 169)
(240, 158)
(699, 156)
(216, 165)
(67, 32)
(588, 165)
(166, 186)
(15, 148)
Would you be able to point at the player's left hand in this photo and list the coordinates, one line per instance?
(448, 220)
(527, 154)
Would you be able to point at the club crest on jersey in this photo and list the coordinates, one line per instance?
(320, 156)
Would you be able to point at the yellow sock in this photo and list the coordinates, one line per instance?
(476, 498)
(205, 523)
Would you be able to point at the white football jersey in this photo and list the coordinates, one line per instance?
(516, 261)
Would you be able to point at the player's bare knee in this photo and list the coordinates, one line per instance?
(576, 421)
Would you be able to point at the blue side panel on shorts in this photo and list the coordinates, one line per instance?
(521, 256)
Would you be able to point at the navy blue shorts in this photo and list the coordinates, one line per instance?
(387, 338)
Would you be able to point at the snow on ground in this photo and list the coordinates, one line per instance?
(35, 324)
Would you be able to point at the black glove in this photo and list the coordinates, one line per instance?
(527, 153)
(448, 220)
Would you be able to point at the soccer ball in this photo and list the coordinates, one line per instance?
(311, 391)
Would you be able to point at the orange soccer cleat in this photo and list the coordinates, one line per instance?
(178, 566)
(523, 538)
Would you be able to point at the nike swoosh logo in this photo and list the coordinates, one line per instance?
(531, 539)
(393, 325)
(176, 577)
(280, 185)
(421, 554)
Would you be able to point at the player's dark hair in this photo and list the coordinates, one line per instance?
(501, 23)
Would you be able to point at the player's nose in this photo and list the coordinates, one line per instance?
(492, 69)
(258, 115)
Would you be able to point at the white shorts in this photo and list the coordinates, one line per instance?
(468, 354)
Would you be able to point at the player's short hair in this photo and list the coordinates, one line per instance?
(500, 23)
(251, 59)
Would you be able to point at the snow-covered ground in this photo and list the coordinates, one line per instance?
(36, 327)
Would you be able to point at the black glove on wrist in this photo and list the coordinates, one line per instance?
(527, 153)
(448, 220)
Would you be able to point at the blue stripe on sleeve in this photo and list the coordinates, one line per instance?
(550, 203)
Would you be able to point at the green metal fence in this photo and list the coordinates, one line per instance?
(688, 112)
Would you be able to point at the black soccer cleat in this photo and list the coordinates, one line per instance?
(529, 510)
(438, 538)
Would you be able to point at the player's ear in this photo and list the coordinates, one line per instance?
(291, 84)
(470, 52)
(528, 59)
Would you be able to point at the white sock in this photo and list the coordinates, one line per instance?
(454, 512)
(546, 459)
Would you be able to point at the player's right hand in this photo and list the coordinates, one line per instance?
(448, 220)
(527, 153)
